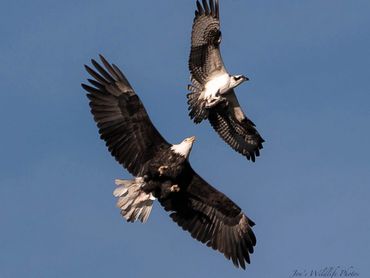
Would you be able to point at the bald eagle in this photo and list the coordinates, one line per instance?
(162, 170)
(212, 93)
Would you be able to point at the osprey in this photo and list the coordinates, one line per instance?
(212, 93)
(162, 170)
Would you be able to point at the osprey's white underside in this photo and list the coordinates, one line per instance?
(217, 84)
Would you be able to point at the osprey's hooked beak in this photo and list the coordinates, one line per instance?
(245, 78)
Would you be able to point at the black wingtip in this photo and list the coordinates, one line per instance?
(210, 7)
(93, 62)
(205, 6)
(217, 9)
(200, 8)
(88, 89)
(105, 62)
(102, 57)
(253, 158)
(88, 69)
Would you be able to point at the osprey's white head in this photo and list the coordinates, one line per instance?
(236, 80)
(184, 147)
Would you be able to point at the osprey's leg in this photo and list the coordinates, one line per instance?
(213, 101)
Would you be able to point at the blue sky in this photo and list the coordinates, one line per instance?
(309, 95)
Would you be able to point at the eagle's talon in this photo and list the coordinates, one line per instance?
(162, 170)
(175, 188)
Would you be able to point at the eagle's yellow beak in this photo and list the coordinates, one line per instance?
(192, 138)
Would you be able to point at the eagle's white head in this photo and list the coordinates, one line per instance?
(236, 80)
(184, 147)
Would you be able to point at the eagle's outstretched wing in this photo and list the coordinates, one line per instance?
(212, 218)
(121, 117)
(229, 121)
(205, 57)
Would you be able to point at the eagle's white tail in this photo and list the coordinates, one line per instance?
(132, 200)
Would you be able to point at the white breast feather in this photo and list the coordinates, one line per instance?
(218, 83)
(183, 148)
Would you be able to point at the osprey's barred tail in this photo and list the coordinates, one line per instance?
(197, 109)
(133, 202)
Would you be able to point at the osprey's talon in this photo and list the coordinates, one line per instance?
(214, 101)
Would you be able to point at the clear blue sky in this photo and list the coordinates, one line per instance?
(309, 94)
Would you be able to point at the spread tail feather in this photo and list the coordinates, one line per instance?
(133, 202)
(197, 108)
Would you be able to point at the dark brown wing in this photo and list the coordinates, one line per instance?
(230, 122)
(212, 218)
(205, 57)
(121, 117)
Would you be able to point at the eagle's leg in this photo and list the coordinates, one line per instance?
(162, 170)
(149, 186)
(167, 188)
(169, 172)
(160, 189)
(175, 188)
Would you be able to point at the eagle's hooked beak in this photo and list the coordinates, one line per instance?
(192, 139)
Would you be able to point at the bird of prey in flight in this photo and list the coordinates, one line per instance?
(162, 170)
(212, 93)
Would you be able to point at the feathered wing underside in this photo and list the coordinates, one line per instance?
(121, 117)
(197, 105)
(205, 57)
(213, 219)
(230, 122)
(225, 116)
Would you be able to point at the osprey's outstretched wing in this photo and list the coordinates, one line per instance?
(205, 64)
(121, 117)
(229, 121)
(205, 57)
(212, 218)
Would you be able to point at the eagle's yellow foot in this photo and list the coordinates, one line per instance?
(162, 170)
(175, 188)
